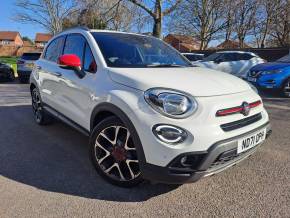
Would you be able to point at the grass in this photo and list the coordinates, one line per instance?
(11, 61)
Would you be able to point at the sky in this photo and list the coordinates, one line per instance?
(7, 24)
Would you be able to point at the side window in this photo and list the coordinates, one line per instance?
(89, 61)
(54, 49)
(74, 44)
(230, 57)
(246, 57)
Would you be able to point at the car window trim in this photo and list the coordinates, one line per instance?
(84, 48)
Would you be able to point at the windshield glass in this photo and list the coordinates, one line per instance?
(212, 57)
(285, 59)
(128, 50)
(30, 56)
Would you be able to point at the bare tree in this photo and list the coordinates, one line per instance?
(102, 14)
(244, 19)
(280, 27)
(263, 20)
(203, 19)
(229, 12)
(158, 11)
(49, 14)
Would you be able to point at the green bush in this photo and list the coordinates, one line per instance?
(11, 61)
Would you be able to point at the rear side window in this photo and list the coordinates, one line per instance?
(74, 44)
(54, 49)
(230, 57)
(246, 56)
(30, 56)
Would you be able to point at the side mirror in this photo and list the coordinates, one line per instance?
(73, 62)
(69, 60)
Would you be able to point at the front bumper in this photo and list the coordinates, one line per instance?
(217, 158)
(268, 81)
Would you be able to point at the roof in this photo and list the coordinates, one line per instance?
(231, 44)
(239, 52)
(42, 37)
(8, 35)
(183, 38)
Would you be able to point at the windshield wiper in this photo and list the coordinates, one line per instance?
(164, 65)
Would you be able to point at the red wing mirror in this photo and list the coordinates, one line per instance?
(69, 60)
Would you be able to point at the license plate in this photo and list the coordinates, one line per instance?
(251, 141)
(251, 79)
(30, 65)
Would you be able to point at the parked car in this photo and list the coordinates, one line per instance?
(164, 121)
(25, 64)
(237, 63)
(6, 72)
(192, 57)
(272, 75)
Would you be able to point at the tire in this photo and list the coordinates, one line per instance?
(113, 153)
(40, 116)
(286, 88)
(11, 76)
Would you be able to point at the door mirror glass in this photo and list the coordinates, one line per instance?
(70, 60)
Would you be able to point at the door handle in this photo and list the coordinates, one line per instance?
(57, 74)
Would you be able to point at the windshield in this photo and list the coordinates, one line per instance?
(30, 56)
(212, 57)
(285, 59)
(128, 50)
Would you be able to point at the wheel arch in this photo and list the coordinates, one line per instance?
(32, 86)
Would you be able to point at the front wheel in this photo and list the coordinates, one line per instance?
(286, 88)
(114, 154)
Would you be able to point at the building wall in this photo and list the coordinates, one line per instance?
(18, 41)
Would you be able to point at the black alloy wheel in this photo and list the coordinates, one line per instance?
(114, 154)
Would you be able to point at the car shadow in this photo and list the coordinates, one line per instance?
(55, 158)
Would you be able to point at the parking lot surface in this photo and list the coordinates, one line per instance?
(45, 172)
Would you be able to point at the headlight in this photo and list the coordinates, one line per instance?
(271, 72)
(171, 103)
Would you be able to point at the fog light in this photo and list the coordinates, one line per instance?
(169, 134)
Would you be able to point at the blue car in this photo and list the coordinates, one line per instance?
(272, 75)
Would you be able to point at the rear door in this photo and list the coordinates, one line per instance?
(49, 74)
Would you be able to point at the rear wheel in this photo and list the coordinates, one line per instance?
(286, 88)
(40, 116)
(114, 154)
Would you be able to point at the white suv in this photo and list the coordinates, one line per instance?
(148, 112)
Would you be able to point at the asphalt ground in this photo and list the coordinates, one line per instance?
(46, 172)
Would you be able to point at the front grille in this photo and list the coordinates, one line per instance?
(227, 157)
(241, 123)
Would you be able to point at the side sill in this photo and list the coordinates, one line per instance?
(66, 120)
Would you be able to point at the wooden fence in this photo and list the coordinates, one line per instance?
(6, 50)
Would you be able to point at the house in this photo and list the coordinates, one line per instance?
(182, 43)
(41, 39)
(230, 44)
(10, 38)
(27, 43)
